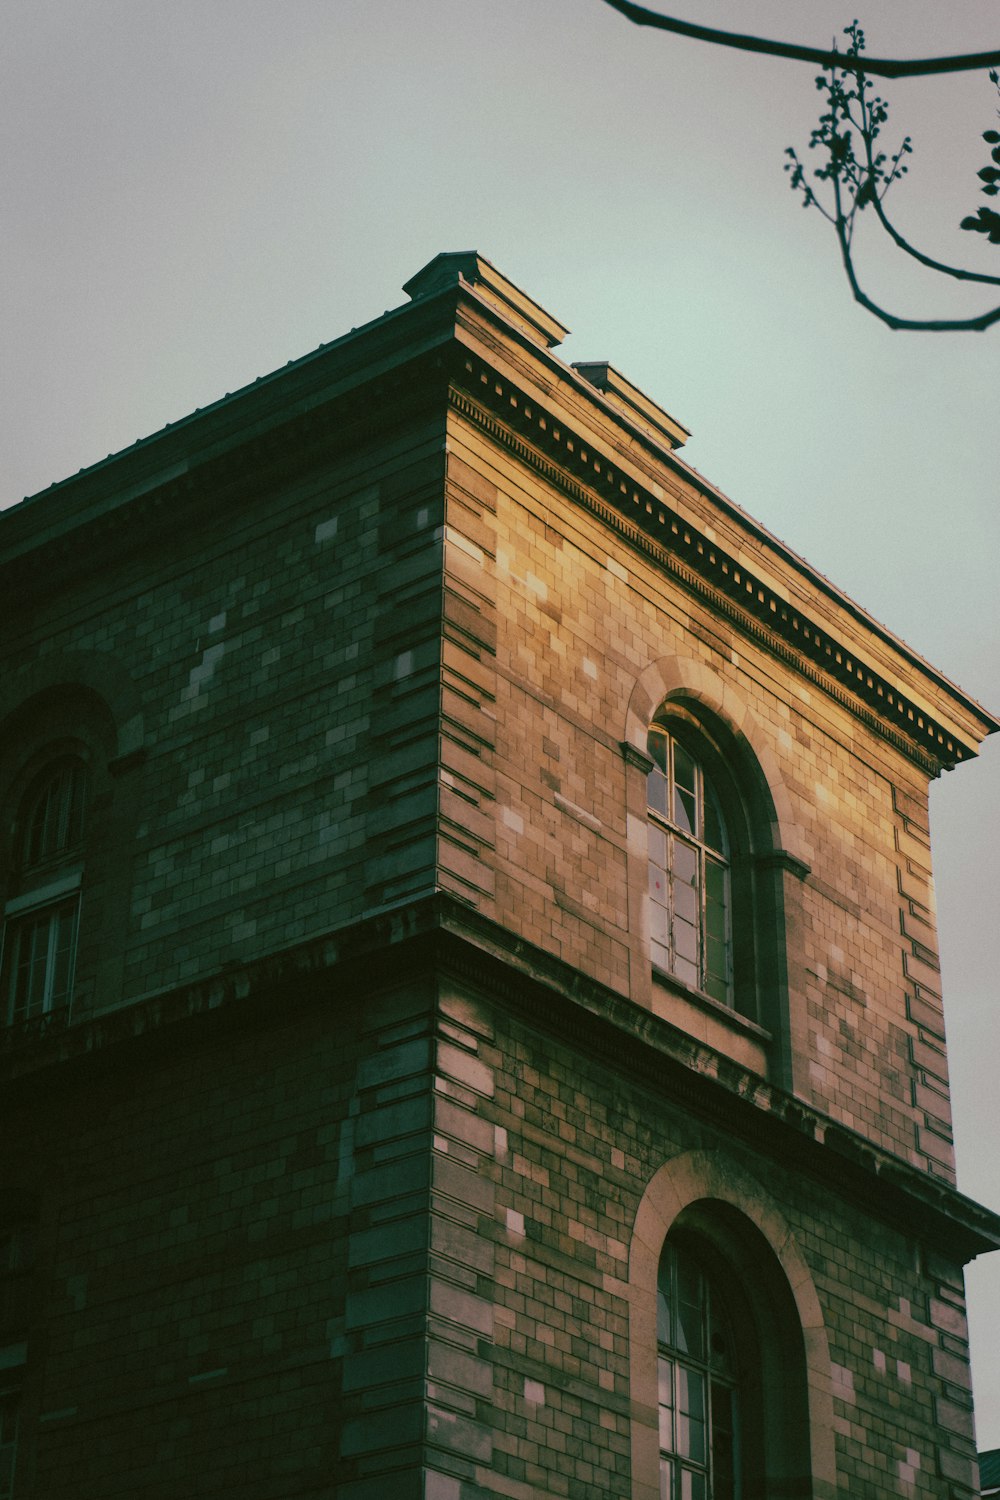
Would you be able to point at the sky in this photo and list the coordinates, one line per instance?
(192, 194)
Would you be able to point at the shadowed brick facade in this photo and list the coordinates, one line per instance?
(348, 1167)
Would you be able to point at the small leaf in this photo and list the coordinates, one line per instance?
(988, 174)
(991, 135)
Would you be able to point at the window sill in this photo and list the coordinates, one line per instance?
(705, 1018)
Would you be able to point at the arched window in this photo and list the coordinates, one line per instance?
(700, 1383)
(42, 910)
(691, 923)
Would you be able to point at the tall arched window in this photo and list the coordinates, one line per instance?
(689, 869)
(699, 1381)
(42, 910)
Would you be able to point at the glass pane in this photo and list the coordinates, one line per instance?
(715, 882)
(685, 810)
(723, 1444)
(661, 956)
(656, 843)
(55, 817)
(716, 960)
(693, 1486)
(684, 862)
(715, 828)
(665, 1379)
(656, 744)
(658, 923)
(664, 1334)
(684, 769)
(658, 885)
(691, 1305)
(685, 941)
(666, 1479)
(685, 971)
(656, 792)
(718, 989)
(686, 903)
(721, 1343)
(61, 955)
(715, 920)
(41, 960)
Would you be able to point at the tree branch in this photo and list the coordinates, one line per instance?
(924, 325)
(958, 272)
(883, 67)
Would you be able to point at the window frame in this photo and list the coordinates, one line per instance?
(689, 805)
(674, 1362)
(43, 902)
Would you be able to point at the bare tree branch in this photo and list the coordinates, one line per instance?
(881, 67)
(958, 272)
(925, 325)
(859, 180)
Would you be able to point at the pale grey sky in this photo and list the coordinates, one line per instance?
(193, 193)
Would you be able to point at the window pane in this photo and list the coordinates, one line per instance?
(685, 971)
(656, 744)
(658, 923)
(657, 845)
(716, 960)
(684, 862)
(691, 1438)
(723, 1444)
(715, 919)
(55, 817)
(685, 942)
(664, 1332)
(39, 953)
(684, 769)
(665, 1373)
(61, 955)
(715, 828)
(690, 1308)
(718, 989)
(656, 792)
(685, 810)
(686, 903)
(693, 1486)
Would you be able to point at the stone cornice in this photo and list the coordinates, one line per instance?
(543, 442)
(439, 936)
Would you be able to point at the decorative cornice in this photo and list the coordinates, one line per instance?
(781, 859)
(636, 757)
(439, 935)
(544, 443)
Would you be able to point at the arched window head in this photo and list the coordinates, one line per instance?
(700, 1383)
(42, 910)
(52, 826)
(691, 922)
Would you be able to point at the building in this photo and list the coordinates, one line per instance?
(989, 1473)
(472, 1018)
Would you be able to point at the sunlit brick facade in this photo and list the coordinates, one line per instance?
(472, 1023)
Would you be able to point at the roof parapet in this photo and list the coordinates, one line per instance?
(633, 403)
(453, 267)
